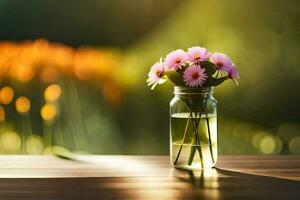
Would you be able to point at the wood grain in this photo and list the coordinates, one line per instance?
(148, 177)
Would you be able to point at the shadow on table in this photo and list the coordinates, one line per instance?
(225, 184)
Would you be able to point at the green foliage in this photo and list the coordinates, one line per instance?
(212, 81)
(175, 77)
(209, 67)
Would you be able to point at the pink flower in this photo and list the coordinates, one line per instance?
(156, 72)
(197, 54)
(175, 59)
(233, 73)
(194, 76)
(222, 62)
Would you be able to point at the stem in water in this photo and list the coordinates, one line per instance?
(209, 135)
(192, 153)
(198, 145)
(183, 138)
(209, 138)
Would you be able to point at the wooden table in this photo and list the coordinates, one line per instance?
(148, 177)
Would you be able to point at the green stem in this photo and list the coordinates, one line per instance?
(209, 135)
(209, 138)
(193, 148)
(183, 138)
(192, 153)
(198, 145)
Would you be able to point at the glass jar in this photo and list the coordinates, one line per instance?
(193, 128)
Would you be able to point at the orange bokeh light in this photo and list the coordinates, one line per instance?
(48, 112)
(23, 72)
(6, 95)
(82, 73)
(23, 61)
(23, 105)
(49, 74)
(52, 93)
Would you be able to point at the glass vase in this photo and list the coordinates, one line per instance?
(193, 128)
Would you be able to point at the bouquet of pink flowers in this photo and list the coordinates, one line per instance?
(195, 68)
(193, 121)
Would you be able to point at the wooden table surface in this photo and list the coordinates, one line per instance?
(148, 177)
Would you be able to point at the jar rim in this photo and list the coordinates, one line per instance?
(190, 90)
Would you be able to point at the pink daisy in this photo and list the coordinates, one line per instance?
(233, 73)
(175, 59)
(194, 76)
(222, 62)
(197, 54)
(156, 72)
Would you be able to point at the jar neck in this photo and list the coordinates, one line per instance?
(182, 91)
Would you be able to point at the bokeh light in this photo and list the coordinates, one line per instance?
(22, 72)
(29, 66)
(294, 145)
(49, 112)
(82, 73)
(257, 138)
(49, 74)
(288, 131)
(6, 95)
(23, 105)
(267, 145)
(52, 93)
(270, 144)
(10, 142)
(34, 145)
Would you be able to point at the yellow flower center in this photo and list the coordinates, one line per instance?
(197, 57)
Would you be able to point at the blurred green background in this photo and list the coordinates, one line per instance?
(103, 105)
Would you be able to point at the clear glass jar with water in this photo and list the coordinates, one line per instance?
(193, 128)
